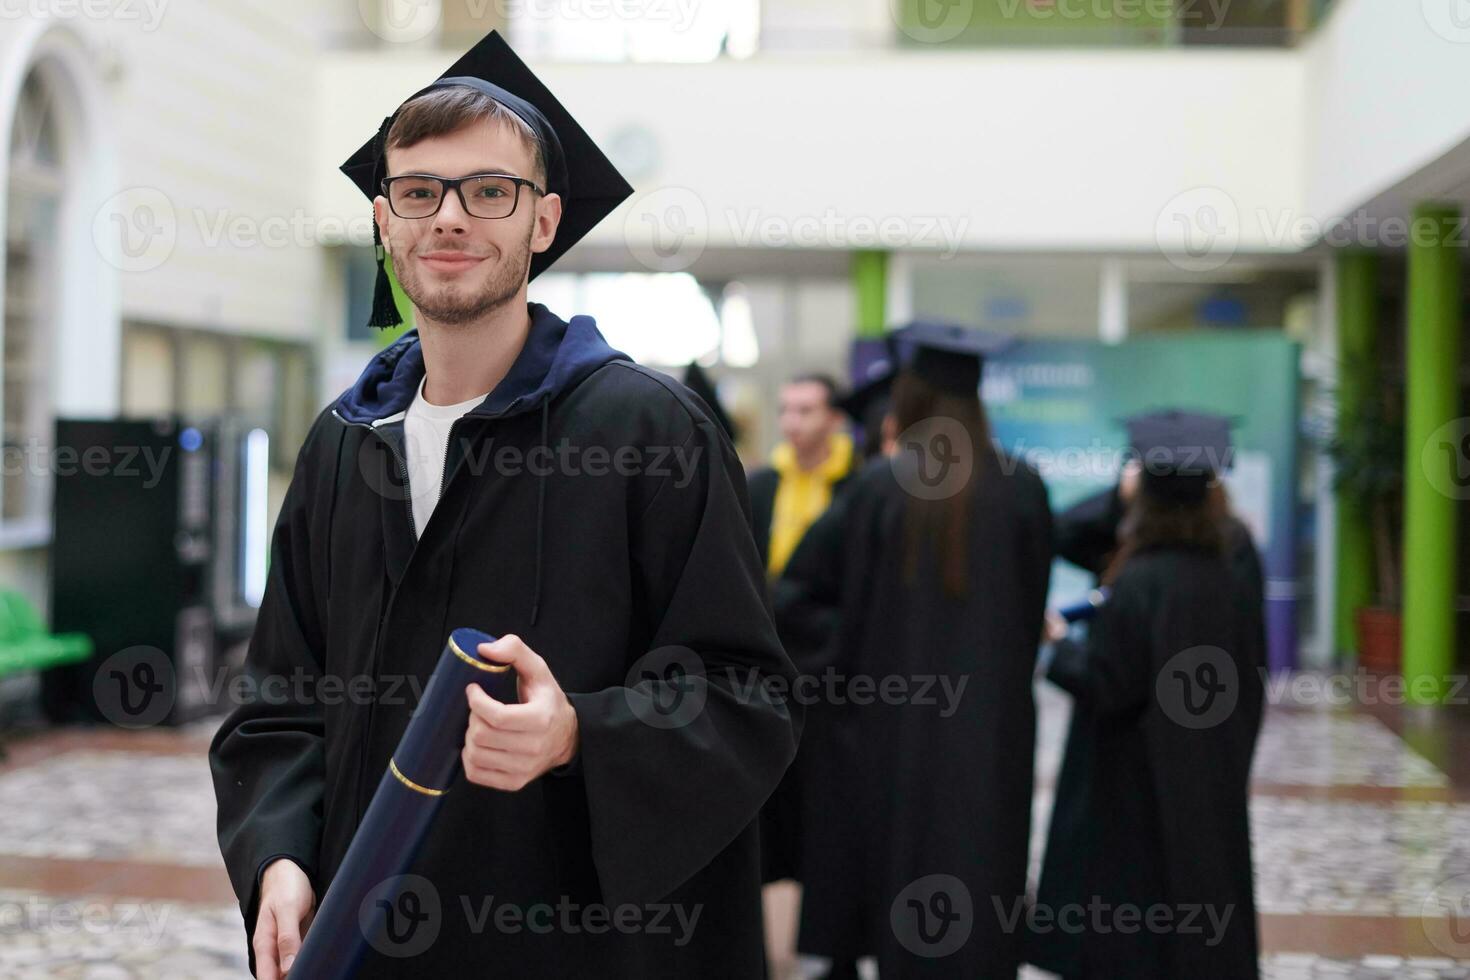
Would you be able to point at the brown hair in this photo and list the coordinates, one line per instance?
(945, 522)
(445, 110)
(828, 383)
(1154, 521)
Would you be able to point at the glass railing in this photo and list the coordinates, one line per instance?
(1104, 23)
(709, 30)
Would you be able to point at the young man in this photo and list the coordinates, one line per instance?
(812, 461)
(583, 509)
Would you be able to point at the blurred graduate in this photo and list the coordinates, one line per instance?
(611, 811)
(1151, 809)
(930, 575)
(810, 464)
(799, 807)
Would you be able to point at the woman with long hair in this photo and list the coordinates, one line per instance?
(938, 560)
(1148, 872)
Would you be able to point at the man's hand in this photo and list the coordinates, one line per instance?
(508, 745)
(1057, 628)
(1129, 480)
(287, 905)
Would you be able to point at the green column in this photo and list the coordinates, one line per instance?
(1432, 400)
(1357, 302)
(870, 285)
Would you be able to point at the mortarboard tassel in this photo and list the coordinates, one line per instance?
(385, 310)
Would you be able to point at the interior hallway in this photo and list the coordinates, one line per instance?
(109, 867)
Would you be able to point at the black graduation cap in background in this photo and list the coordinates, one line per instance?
(950, 356)
(1180, 451)
(870, 401)
(870, 394)
(699, 382)
(589, 185)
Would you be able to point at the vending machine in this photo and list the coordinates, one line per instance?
(158, 554)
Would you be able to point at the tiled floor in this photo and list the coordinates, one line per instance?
(1361, 843)
(109, 868)
(108, 864)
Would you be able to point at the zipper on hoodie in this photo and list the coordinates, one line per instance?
(362, 783)
(444, 470)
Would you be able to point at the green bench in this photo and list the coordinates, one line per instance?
(26, 644)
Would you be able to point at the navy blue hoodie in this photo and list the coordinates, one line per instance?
(591, 507)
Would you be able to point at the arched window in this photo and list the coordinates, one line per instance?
(35, 193)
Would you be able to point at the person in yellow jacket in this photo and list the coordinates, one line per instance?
(814, 458)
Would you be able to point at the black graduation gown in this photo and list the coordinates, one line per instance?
(598, 550)
(809, 604)
(1087, 536)
(916, 793)
(1165, 822)
(787, 815)
(1087, 532)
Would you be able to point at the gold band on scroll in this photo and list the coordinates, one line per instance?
(398, 774)
(476, 661)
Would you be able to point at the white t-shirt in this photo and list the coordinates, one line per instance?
(425, 441)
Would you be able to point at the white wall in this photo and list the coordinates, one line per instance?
(211, 111)
(187, 124)
(1060, 150)
(1012, 150)
(1388, 91)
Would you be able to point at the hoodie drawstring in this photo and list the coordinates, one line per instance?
(540, 513)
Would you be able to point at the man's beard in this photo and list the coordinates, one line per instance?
(445, 304)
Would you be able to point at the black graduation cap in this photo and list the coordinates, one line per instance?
(870, 394)
(1180, 451)
(949, 356)
(869, 402)
(699, 382)
(589, 185)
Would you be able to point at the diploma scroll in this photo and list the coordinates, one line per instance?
(1086, 608)
(359, 908)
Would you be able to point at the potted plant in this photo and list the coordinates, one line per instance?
(1368, 450)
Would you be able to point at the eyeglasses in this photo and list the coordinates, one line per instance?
(481, 195)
